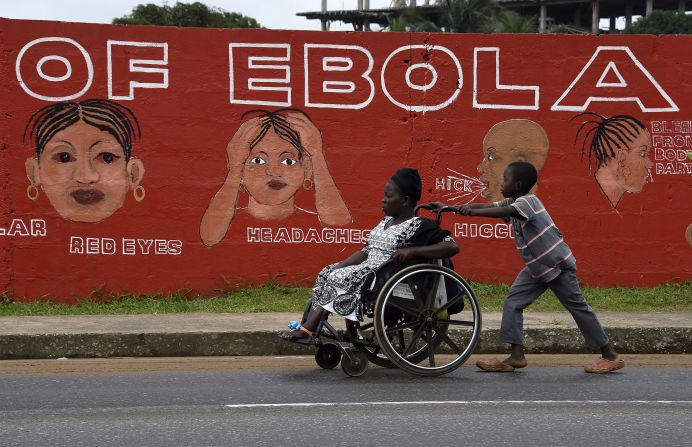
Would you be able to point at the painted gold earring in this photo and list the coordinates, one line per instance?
(139, 193)
(32, 192)
(307, 184)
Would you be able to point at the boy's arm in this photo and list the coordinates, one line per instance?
(489, 211)
(470, 205)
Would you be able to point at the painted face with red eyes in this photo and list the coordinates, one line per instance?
(273, 172)
(83, 172)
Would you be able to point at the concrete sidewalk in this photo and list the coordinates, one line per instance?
(194, 334)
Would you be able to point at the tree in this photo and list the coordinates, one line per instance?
(513, 22)
(469, 16)
(411, 20)
(186, 14)
(662, 22)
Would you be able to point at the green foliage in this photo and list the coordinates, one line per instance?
(281, 298)
(513, 22)
(664, 298)
(469, 16)
(411, 20)
(662, 22)
(186, 14)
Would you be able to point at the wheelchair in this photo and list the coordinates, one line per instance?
(421, 317)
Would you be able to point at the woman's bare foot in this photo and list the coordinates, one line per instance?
(296, 334)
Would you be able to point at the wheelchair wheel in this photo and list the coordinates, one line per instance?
(357, 366)
(413, 325)
(369, 345)
(365, 334)
(327, 356)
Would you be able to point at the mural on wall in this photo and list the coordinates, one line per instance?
(266, 150)
(507, 142)
(620, 146)
(271, 156)
(84, 163)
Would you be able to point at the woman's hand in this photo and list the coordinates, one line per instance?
(403, 254)
(238, 148)
(219, 214)
(310, 136)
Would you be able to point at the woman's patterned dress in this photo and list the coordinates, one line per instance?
(338, 290)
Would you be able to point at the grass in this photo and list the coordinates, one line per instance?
(282, 298)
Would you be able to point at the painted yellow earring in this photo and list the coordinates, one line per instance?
(139, 193)
(307, 184)
(32, 192)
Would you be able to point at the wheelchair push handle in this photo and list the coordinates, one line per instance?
(438, 210)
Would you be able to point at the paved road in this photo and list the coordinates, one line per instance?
(290, 402)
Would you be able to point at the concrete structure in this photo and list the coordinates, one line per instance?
(562, 16)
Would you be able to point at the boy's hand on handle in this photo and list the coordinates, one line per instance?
(464, 210)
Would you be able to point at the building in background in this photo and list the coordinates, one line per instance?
(562, 16)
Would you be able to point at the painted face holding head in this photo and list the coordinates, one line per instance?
(270, 158)
(83, 161)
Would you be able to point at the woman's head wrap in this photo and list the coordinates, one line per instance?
(408, 183)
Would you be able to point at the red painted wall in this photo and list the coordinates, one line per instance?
(380, 101)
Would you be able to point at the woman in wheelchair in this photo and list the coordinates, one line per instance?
(399, 237)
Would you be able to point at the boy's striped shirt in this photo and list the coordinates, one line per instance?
(538, 240)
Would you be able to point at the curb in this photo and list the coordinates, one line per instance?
(663, 340)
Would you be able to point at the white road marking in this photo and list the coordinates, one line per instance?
(464, 402)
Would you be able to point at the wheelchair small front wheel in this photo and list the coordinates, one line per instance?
(356, 366)
(327, 356)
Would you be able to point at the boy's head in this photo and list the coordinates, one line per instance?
(519, 178)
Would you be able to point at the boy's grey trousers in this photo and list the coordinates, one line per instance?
(525, 290)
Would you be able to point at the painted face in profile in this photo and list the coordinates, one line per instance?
(83, 172)
(273, 171)
(491, 169)
(506, 142)
(636, 166)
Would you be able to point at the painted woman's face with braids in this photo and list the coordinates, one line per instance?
(82, 171)
(273, 173)
(635, 164)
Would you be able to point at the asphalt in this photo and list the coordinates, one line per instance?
(198, 334)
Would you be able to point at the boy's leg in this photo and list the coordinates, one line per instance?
(523, 292)
(566, 288)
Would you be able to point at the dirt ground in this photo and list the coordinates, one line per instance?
(201, 364)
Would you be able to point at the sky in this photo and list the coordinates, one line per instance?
(273, 14)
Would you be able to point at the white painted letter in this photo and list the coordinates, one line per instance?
(120, 62)
(427, 89)
(75, 64)
(342, 79)
(496, 95)
(614, 74)
(247, 61)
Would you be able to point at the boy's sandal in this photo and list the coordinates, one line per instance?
(495, 365)
(603, 366)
